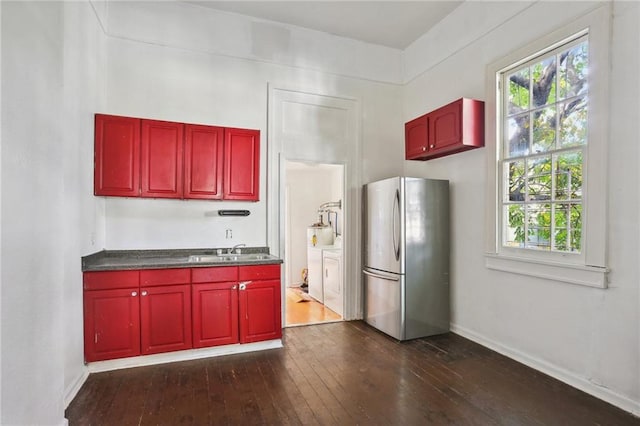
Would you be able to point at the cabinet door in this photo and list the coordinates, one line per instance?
(165, 318)
(161, 166)
(260, 313)
(242, 164)
(111, 324)
(445, 128)
(203, 161)
(117, 156)
(415, 137)
(215, 314)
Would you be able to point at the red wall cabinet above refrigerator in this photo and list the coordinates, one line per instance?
(453, 128)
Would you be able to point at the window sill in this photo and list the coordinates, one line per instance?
(591, 276)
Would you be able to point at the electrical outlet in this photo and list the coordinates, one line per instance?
(228, 234)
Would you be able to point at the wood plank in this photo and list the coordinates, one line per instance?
(341, 373)
(308, 312)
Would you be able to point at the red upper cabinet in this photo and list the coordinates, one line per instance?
(117, 156)
(445, 130)
(203, 161)
(415, 136)
(162, 158)
(456, 127)
(242, 164)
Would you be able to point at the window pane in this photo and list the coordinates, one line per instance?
(568, 171)
(544, 130)
(567, 232)
(514, 180)
(517, 136)
(513, 234)
(539, 179)
(518, 92)
(544, 82)
(576, 227)
(538, 218)
(573, 122)
(572, 72)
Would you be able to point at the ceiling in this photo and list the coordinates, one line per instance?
(394, 24)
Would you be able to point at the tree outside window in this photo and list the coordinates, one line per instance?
(545, 112)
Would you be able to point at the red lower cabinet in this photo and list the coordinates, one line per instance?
(215, 314)
(260, 311)
(111, 324)
(165, 318)
(131, 313)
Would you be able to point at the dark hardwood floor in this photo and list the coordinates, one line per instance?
(341, 374)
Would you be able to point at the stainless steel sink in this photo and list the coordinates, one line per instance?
(244, 257)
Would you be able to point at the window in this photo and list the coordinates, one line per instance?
(546, 140)
(544, 117)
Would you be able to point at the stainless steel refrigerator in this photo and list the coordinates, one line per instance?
(406, 256)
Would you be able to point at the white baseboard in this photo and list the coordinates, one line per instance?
(71, 391)
(139, 361)
(600, 392)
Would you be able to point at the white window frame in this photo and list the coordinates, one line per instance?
(589, 267)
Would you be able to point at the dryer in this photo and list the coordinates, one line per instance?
(332, 286)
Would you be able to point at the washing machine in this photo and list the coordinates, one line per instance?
(315, 271)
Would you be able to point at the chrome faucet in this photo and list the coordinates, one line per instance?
(235, 249)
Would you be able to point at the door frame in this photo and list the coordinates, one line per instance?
(278, 152)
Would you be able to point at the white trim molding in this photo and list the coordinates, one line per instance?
(71, 391)
(588, 268)
(565, 376)
(188, 355)
(591, 276)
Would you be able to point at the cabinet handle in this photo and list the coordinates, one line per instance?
(244, 284)
(134, 293)
(431, 146)
(424, 148)
(144, 293)
(234, 287)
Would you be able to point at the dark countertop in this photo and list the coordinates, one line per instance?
(110, 260)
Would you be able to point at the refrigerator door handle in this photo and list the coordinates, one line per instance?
(396, 220)
(382, 277)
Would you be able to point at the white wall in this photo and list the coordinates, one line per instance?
(84, 226)
(166, 61)
(48, 213)
(585, 336)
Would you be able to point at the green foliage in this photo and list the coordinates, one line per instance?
(545, 192)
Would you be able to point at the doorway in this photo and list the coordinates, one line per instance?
(314, 228)
(315, 129)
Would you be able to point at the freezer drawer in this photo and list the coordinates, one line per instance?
(383, 308)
